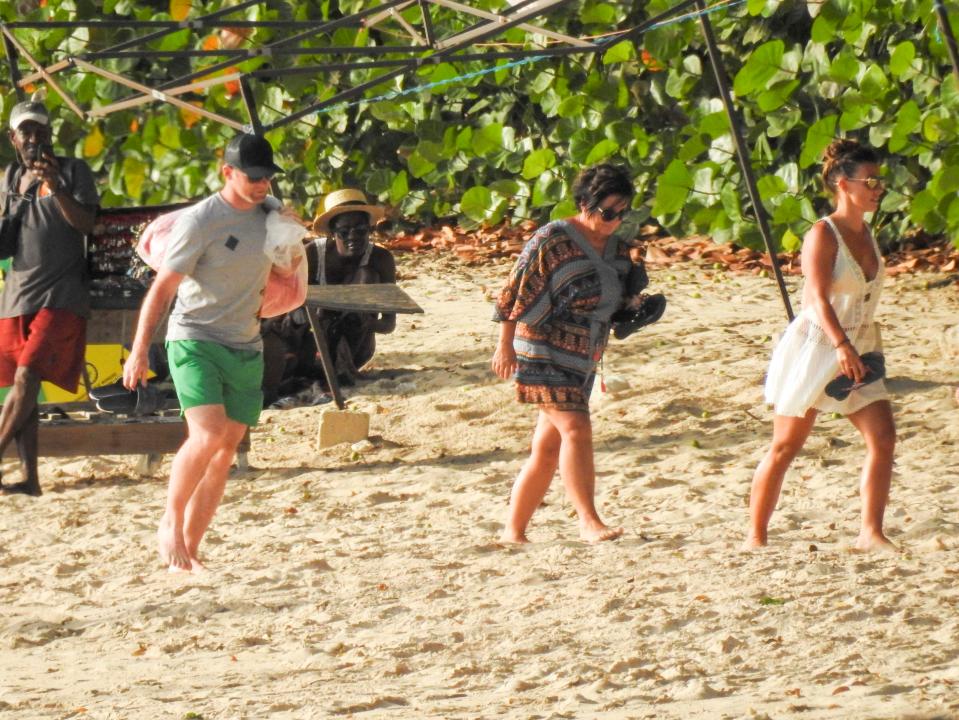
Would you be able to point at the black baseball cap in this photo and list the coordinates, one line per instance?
(251, 154)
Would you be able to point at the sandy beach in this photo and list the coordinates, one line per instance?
(366, 581)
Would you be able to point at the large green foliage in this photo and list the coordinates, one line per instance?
(507, 144)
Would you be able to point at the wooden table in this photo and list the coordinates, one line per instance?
(381, 298)
(69, 429)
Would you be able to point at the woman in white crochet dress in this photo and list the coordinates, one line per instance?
(842, 271)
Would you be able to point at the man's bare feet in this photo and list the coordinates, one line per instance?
(171, 547)
(513, 537)
(874, 541)
(595, 533)
(22, 488)
(753, 542)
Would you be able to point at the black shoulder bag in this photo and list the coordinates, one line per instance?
(10, 224)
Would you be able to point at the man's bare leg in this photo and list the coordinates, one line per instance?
(209, 491)
(205, 438)
(579, 473)
(533, 480)
(18, 416)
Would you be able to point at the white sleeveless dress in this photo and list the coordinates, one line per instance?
(804, 360)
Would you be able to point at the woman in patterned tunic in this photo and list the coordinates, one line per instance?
(554, 323)
(843, 272)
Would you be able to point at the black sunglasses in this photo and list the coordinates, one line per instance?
(609, 214)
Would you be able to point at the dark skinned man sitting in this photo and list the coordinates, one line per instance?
(351, 259)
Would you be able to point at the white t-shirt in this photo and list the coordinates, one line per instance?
(220, 250)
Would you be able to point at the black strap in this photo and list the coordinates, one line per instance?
(11, 180)
(8, 178)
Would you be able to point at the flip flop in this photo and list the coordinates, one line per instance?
(840, 387)
(626, 322)
(115, 398)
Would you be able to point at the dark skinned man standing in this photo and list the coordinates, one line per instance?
(45, 298)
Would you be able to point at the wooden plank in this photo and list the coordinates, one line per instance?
(382, 298)
(65, 438)
(112, 436)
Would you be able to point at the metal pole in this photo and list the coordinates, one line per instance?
(947, 33)
(476, 34)
(427, 23)
(716, 60)
(325, 27)
(246, 92)
(11, 52)
(67, 98)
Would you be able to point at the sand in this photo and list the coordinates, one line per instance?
(366, 581)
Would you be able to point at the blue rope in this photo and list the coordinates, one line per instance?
(393, 94)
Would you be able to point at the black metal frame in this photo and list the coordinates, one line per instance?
(437, 50)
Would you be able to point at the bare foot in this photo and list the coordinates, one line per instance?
(753, 542)
(875, 542)
(196, 568)
(513, 538)
(171, 547)
(596, 533)
(22, 488)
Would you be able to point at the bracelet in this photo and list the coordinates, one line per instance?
(844, 341)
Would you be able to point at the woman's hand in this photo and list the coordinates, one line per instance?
(850, 364)
(504, 361)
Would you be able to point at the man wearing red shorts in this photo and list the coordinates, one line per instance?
(45, 299)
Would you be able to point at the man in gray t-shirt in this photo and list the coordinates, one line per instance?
(215, 270)
(45, 299)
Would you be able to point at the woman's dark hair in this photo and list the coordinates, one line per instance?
(842, 158)
(600, 181)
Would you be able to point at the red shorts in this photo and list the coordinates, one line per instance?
(51, 342)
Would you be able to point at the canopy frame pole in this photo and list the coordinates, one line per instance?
(742, 153)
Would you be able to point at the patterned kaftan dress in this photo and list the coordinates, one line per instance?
(561, 293)
(804, 360)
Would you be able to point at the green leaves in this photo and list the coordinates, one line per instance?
(818, 137)
(134, 175)
(489, 139)
(509, 143)
(483, 205)
(476, 203)
(763, 63)
(672, 189)
(538, 162)
(901, 58)
(619, 53)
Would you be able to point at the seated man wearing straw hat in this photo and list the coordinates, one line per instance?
(350, 259)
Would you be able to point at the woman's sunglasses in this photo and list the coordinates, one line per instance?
(609, 214)
(873, 183)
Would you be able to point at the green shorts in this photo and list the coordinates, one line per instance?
(207, 373)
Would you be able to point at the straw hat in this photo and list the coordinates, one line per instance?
(345, 201)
